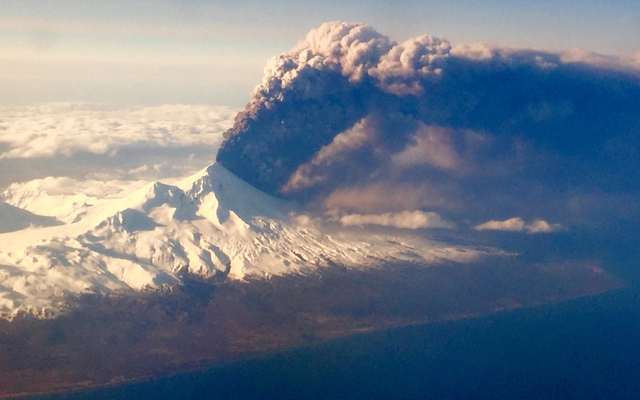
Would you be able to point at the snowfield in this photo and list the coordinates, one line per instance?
(213, 221)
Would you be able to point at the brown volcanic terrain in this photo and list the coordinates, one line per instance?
(107, 339)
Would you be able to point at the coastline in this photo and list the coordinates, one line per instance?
(160, 338)
(606, 300)
(209, 366)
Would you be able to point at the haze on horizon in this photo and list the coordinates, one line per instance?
(126, 53)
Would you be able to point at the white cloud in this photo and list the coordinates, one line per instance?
(406, 220)
(64, 129)
(512, 224)
(86, 141)
(542, 226)
(517, 224)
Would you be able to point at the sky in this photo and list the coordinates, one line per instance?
(125, 53)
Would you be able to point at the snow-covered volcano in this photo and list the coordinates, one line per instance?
(210, 222)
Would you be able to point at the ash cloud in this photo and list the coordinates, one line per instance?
(467, 129)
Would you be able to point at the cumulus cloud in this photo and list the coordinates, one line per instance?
(517, 224)
(404, 220)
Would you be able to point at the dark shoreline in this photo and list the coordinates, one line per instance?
(110, 339)
(613, 298)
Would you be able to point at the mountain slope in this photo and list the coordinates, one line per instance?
(208, 223)
(15, 219)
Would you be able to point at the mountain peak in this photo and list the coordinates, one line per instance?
(210, 223)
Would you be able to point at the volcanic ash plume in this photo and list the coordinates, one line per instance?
(321, 88)
(347, 110)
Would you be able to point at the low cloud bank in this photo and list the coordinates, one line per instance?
(90, 141)
(62, 129)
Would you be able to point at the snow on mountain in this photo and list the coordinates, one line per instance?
(64, 198)
(207, 223)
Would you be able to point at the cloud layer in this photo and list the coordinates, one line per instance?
(68, 128)
(471, 129)
(90, 141)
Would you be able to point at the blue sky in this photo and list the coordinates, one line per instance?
(213, 52)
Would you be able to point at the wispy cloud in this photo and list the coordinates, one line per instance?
(404, 220)
(517, 224)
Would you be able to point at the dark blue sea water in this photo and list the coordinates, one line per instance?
(583, 349)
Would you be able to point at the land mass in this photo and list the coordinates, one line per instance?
(112, 338)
